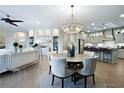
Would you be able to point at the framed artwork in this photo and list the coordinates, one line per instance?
(43, 40)
(31, 41)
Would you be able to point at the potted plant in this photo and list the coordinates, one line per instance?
(20, 46)
(35, 45)
(15, 44)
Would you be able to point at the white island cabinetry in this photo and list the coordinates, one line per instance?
(121, 53)
(20, 59)
(3, 63)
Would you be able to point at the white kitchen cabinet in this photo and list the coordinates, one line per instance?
(3, 63)
(20, 59)
(12, 61)
(120, 53)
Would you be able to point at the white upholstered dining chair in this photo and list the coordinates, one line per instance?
(50, 55)
(59, 69)
(49, 59)
(88, 69)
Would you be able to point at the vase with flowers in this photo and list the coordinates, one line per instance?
(20, 47)
(15, 44)
(35, 46)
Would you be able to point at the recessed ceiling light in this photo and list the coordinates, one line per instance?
(122, 31)
(93, 24)
(104, 27)
(38, 22)
(88, 31)
(122, 15)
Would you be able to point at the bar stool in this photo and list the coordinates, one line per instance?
(107, 55)
(98, 53)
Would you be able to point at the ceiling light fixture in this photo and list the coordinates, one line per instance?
(104, 27)
(93, 24)
(72, 27)
(38, 22)
(122, 15)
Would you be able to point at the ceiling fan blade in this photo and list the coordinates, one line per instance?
(12, 23)
(17, 21)
(3, 19)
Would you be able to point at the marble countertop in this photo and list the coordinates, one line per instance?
(7, 51)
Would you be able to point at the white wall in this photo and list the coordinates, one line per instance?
(60, 41)
(9, 40)
(2, 36)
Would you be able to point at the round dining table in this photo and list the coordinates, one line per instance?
(77, 58)
(75, 62)
(72, 62)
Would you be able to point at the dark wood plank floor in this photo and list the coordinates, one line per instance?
(113, 74)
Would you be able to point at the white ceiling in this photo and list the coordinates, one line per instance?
(52, 16)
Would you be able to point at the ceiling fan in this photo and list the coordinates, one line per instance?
(7, 19)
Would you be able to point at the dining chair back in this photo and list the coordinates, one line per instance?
(88, 69)
(49, 59)
(89, 64)
(59, 69)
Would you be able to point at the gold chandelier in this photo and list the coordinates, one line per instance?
(72, 27)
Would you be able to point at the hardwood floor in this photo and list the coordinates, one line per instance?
(26, 78)
(112, 74)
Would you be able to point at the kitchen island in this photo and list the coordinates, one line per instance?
(24, 58)
(107, 54)
(11, 61)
